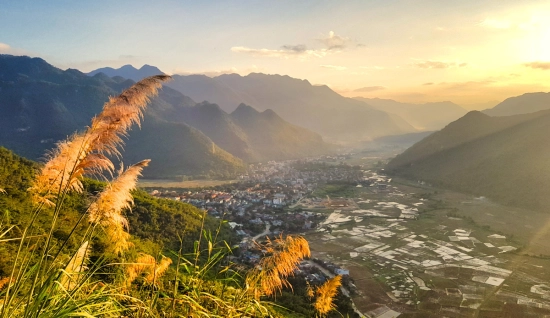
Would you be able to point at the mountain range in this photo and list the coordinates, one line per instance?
(424, 117)
(523, 104)
(43, 104)
(317, 108)
(503, 158)
(128, 71)
(40, 105)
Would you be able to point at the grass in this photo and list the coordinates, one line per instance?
(107, 274)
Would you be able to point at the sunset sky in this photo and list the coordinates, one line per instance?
(472, 52)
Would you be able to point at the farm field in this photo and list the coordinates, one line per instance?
(422, 251)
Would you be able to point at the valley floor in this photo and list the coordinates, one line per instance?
(427, 252)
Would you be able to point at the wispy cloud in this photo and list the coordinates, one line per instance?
(286, 51)
(334, 67)
(431, 64)
(6, 49)
(214, 73)
(427, 84)
(335, 42)
(332, 43)
(369, 89)
(538, 65)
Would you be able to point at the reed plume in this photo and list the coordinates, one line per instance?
(3, 282)
(76, 265)
(284, 255)
(160, 269)
(86, 153)
(2, 191)
(326, 293)
(107, 209)
(143, 264)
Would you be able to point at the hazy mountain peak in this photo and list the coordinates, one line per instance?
(244, 109)
(129, 71)
(523, 104)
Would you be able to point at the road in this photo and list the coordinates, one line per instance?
(264, 233)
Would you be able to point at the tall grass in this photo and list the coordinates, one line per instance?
(49, 278)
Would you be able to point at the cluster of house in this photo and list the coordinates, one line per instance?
(258, 201)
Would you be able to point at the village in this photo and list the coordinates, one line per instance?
(398, 254)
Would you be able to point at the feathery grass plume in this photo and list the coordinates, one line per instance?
(107, 209)
(284, 255)
(86, 153)
(3, 282)
(310, 293)
(160, 269)
(144, 263)
(76, 265)
(326, 294)
(2, 191)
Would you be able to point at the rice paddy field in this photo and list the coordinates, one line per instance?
(427, 252)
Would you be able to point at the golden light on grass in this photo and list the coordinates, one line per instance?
(326, 294)
(3, 282)
(283, 257)
(86, 153)
(143, 263)
(107, 209)
(159, 270)
(76, 265)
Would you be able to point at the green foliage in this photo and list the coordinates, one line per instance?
(42, 104)
(502, 158)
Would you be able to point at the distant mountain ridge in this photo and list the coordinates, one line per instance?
(317, 108)
(503, 158)
(425, 117)
(40, 104)
(523, 104)
(249, 135)
(128, 71)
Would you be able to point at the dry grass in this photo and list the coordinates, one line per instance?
(281, 260)
(325, 295)
(86, 153)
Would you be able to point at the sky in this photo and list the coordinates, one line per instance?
(475, 53)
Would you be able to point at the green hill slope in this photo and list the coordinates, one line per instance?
(274, 138)
(523, 104)
(157, 222)
(40, 105)
(503, 158)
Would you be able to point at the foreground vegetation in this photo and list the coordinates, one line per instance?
(68, 247)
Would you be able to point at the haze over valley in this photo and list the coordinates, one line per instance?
(286, 159)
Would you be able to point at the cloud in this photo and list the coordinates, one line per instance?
(286, 51)
(300, 48)
(538, 65)
(427, 84)
(334, 67)
(369, 89)
(429, 64)
(496, 24)
(214, 73)
(6, 49)
(334, 42)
